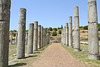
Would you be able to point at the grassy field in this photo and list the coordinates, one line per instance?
(82, 56)
(23, 62)
(13, 50)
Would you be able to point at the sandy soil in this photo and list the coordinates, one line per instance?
(55, 56)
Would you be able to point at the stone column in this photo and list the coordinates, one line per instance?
(70, 32)
(64, 35)
(43, 37)
(76, 29)
(93, 45)
(73, 33)
(30, 39)
(39, 36)
(67, 35)
(35, 46)
(48, 34)
(21, 34)
(26, 41)
(4, 31)
(16, 38)
(11, 37)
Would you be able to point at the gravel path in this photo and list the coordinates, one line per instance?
(55, 56)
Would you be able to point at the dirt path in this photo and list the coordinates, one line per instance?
(55, 56)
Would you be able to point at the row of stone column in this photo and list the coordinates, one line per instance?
(37, 37)
(72, 35)
(11, 41)
(11, 37)
(37, 34)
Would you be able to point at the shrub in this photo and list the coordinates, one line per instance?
(26, 30)
(54, 33)
(85, 27)
(50, 28)
(59, 31)
(14, 34)
(55, 29)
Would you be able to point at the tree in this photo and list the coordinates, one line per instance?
(54, 33)
(55, 29)
(85, 27)
(59, 31)
(50, 28)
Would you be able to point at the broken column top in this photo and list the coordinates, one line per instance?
(22, 15)
(35, 25)
(76, 11)
(70, 20)
(67, 24)
(91, 0)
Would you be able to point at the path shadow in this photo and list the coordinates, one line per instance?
(18, 64)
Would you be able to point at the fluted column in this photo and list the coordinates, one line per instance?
(67, 35)
(93, 44)
(76, 29)
(4, 31)
(21, 34)
(39, 36)
(35, 36)
(30, 39)
(70, 32)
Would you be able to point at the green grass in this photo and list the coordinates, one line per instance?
(28, 59)
(83, 56)
(13, 50)
(84, 40)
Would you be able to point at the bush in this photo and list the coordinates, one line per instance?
(26, 30)
(50, 28)
(59, 28)
(85, 27)
(59, 31)
(55, 29)
(14, 34)
(54, 33)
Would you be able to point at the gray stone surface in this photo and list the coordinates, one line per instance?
(30, 39)
(21, 34)
(67, 35)
(93, 46)
(48, 35)
(4, 31)
(70, 32)
(76, 29)
(16, 37)
(44, 37)
(64, 35)
(11, 37)
(35, 45)
(26, 38)
(39, 36)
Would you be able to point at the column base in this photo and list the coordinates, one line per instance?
(77, 50)
(67, 44)
(94, 57)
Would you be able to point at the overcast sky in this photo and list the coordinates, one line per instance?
(50, 13)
